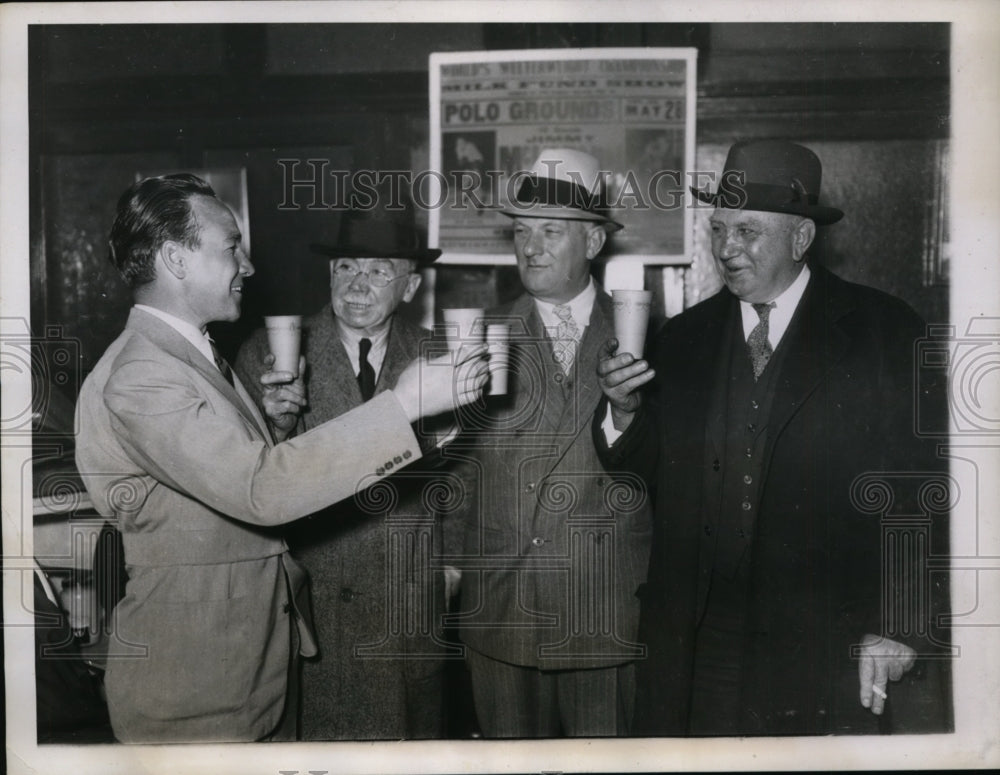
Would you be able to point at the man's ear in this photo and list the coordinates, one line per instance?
(412, 283)
(803, 235)
(596, 235)
(173, 257)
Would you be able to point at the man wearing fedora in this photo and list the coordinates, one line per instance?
(771, 602)
(362, 578)
(554, 547)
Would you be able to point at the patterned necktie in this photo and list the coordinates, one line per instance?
(567, 336)
(221, 363)
(760, 347)
(366, 374)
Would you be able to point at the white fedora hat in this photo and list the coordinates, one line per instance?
(563, 183)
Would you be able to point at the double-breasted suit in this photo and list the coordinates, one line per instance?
(184, 463)
(554, 547)
(818, 539)
(369, 566)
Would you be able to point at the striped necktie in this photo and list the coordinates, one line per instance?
(757, 342)
(566, 338)
(221, 363)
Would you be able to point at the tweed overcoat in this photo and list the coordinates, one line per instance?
(377, 612)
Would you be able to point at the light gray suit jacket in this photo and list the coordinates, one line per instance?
(185, 465)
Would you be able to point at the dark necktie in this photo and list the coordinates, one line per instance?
(759, 346)
(366, 374)
(221, 363)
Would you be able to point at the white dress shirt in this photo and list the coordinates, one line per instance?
(785, 305)
(189, 331)
(582, 305)
(352, 341)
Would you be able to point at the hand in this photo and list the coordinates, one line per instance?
(452, 581)
(882, 660)
(284, 397)
(620, 377)
(430, 387)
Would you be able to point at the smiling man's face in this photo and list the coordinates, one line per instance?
(360, 304)
(554, 254)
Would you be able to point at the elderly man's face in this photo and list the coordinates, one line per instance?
(759, 254)
(359, 302)
(553, 256)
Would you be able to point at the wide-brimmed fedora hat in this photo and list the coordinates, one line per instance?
(563, 183)
(386, 229)
(774, 176)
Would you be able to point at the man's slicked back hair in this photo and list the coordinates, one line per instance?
(151, 212)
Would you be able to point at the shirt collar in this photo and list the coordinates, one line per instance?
(189, 331)
(581, 306)
(785, 305)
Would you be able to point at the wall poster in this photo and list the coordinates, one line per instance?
(492, 112)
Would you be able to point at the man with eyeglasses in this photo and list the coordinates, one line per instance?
(370, 681)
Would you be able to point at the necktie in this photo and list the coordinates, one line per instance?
(567, 335)
(760, 347)
(366, 374)
(221, 363)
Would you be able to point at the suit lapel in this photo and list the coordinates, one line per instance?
(815, 343)
(172, 342)
(588, 393)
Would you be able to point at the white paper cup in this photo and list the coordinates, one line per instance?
(498, 346)
(631, 310)
(463, 326)
(284, 335)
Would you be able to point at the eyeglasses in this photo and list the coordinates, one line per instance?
(379, 278)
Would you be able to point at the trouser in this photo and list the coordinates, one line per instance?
(517, 701)
(287, 730)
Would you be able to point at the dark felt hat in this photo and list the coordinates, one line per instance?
(387, 229)
(774, 176)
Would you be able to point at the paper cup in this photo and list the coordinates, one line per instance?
(463, 326)
(631, 310)
(284, 334)
(498, 346)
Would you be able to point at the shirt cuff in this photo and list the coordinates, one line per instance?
(611, 433)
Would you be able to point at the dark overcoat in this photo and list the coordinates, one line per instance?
(843, 492)
(379, 673)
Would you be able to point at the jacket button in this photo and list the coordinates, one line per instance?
(538, 541)
(745, 506)
(716, 465)
(529, 487)
(747, 479)
(740, 533)
(347, 594)
(558, 377)
(286, 608)
(755, 405)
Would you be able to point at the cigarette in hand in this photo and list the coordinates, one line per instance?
(879, 692)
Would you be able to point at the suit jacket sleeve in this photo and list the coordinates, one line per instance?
(157, 410)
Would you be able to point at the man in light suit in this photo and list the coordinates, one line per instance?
(371, 679)
(554, 547)
(172, 447)
(783, 597)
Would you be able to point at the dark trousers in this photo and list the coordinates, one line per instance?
(516, 701)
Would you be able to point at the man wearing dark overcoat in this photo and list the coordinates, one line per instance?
(554, 548)
(780, 597)
(377, 604)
